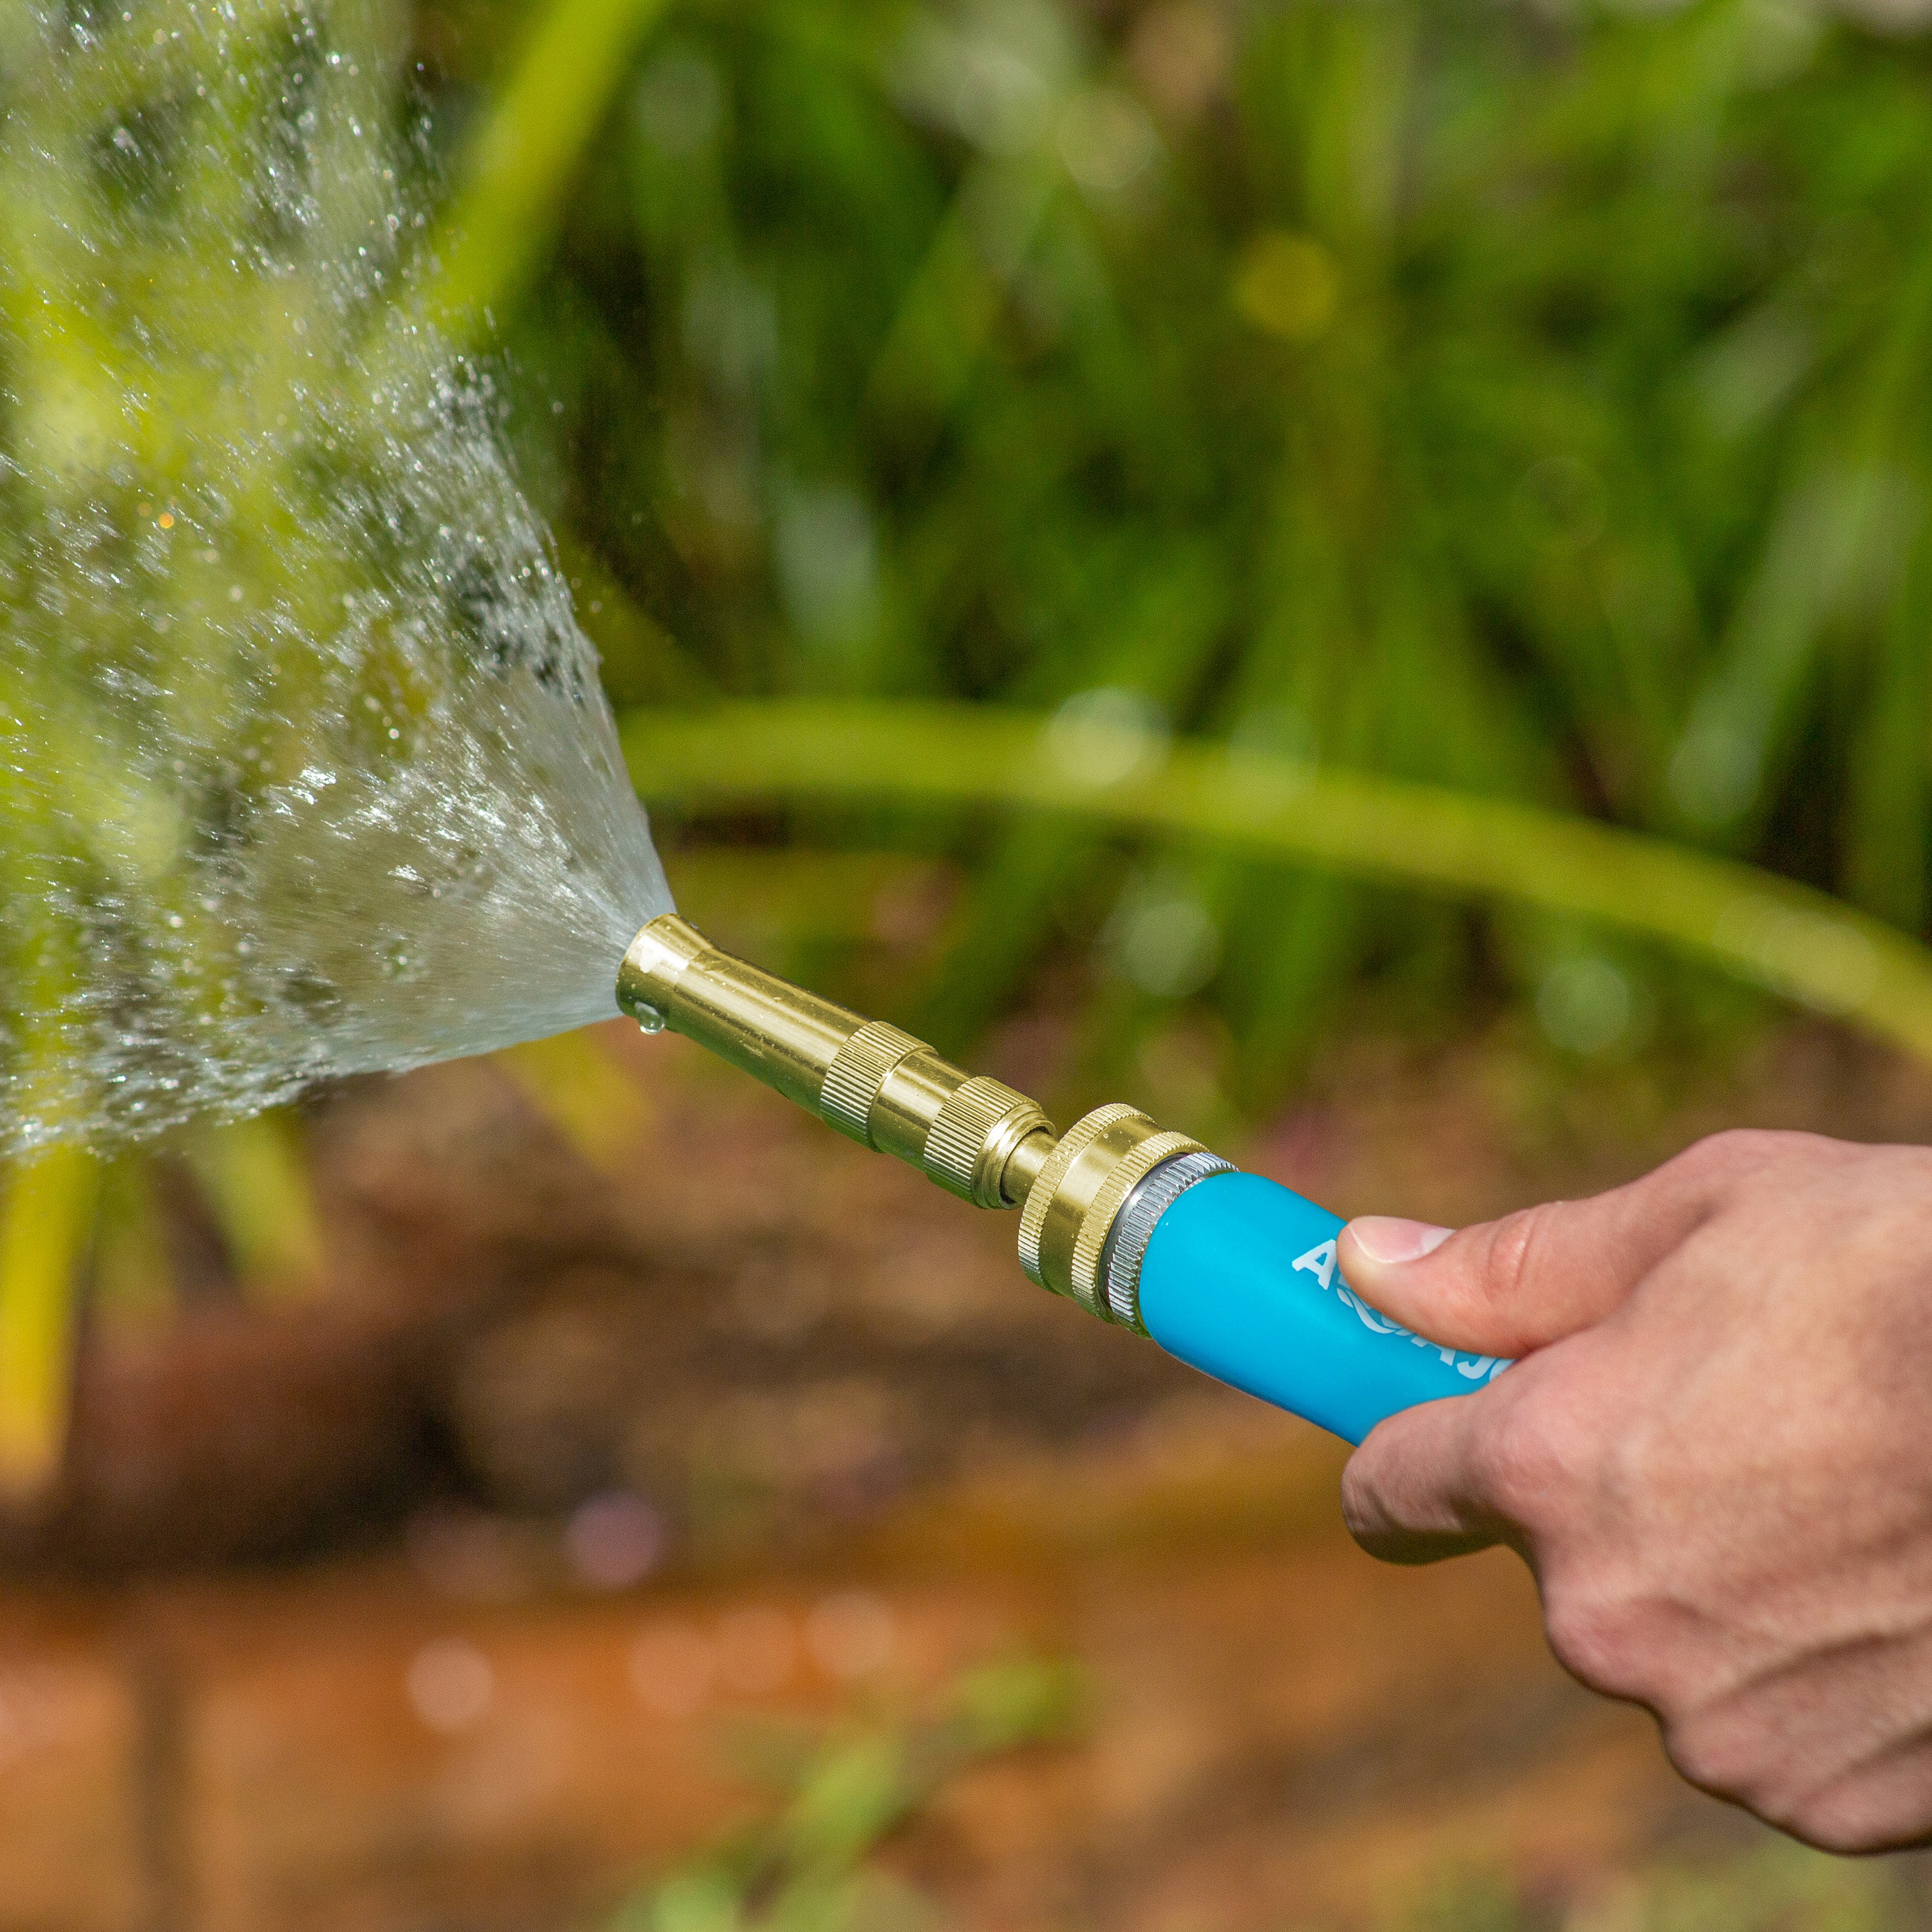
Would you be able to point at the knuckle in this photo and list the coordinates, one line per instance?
(1824, 1828)
(1842, 1818)
(1362, 1509)
(1595, 1637)
(1726, 1753)
(1517, 1244)
(1708, 1754)
(1521, 1463)
(1586, 1641)
(1737, 1150)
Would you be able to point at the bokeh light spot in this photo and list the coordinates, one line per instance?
(451, 1685)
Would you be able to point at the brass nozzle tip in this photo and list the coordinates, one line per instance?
(653, 966)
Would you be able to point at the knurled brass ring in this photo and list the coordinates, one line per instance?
(973, 1136)
(1090, 1244)
(852, 1080)
(1033, 1215)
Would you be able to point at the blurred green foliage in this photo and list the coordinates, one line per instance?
(1777, 1888)
(1531, 400)
(807, 1866)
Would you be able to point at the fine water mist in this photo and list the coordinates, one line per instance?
(304, 766)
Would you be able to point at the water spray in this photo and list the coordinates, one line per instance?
(1143, 1227)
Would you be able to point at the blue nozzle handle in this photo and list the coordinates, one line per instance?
(1240, 1279)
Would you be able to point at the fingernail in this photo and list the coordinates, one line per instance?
(1383, 1238)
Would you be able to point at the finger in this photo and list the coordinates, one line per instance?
(1415, 1491)
(1506, 1287)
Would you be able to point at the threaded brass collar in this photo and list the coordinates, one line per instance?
(1041, 1196)
(1096, 1225)
(1070, 1209)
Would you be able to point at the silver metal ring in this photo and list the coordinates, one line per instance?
(1134, 1225)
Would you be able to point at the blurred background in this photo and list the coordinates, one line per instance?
(1440, 491)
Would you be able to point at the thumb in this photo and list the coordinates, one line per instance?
(1504, 1287)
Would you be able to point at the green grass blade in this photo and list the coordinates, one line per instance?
(255, 1175)
(1795, 941)
(582, 1093)
(487, 245)
(46, 1223)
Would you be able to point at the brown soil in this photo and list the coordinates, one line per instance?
(1281, 1731)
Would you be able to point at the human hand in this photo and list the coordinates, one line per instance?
(1716, 1456)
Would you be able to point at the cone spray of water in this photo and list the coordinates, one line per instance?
(304, 767)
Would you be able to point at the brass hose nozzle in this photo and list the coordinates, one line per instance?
(1087, 1199)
